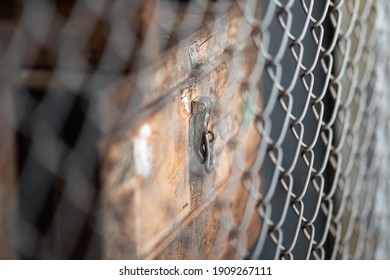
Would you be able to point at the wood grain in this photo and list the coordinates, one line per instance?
(166, 221)
(177, 210)
(157, 200)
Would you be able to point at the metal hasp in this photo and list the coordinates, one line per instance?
(200, 137)
(194, 53)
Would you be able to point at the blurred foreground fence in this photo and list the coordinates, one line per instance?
(194, 129)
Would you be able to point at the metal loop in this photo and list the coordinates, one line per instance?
(212, 136)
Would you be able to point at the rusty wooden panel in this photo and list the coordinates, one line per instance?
(197, 237)
(135, 96)
(149, 162)
(203, 235)
(158, 202)
(155, 163)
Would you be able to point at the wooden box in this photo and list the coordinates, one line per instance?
(158, 201)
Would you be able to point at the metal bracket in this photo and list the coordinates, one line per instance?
(194, 53)
(199, 133)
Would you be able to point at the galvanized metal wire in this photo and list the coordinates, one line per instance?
(338, 128)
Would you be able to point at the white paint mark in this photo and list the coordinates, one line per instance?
(143, 152)
(185, 99)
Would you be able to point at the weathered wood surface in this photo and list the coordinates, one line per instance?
(143, 93)
(158, 201)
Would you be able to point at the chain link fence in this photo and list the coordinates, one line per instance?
(338, 128)
(310, 182)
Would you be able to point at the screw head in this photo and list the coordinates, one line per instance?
(201, 107)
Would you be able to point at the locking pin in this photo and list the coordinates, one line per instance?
(199, 139)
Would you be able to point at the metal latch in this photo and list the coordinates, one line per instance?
(194, 53)
(200, 137)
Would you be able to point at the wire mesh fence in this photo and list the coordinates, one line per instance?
(98, 149)
(339, 147)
